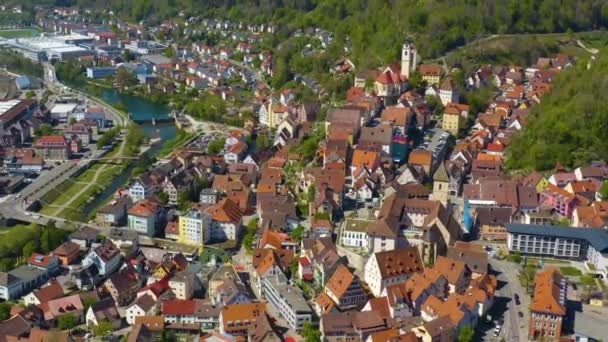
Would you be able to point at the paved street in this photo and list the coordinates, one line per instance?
(514, 328)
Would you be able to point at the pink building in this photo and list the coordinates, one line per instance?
(560, 200)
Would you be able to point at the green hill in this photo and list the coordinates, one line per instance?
(378, 27)
(570, 125)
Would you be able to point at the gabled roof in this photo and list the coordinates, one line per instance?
(325, 303)
(340, 280)
(420, 157)
(48, 293)
(225, 211)
(453, 270)
(399, 261)
(548, 295)
(471, 254)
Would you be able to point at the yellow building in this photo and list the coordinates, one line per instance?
(452, 123)
(431, 73)
(454, 117)
(193, 228)
(541, 185)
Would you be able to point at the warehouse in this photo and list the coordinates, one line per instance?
(42, 48)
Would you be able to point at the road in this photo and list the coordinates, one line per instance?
(53, 84)
(514, 328)
(15, 206)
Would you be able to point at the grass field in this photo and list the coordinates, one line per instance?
(70, 188)
(17, 33)
(571, 271)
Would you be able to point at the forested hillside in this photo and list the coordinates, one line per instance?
(570, 125)
(377, 27)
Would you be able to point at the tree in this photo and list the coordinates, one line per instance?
(30, 94)
(466, 334)
(311, 193)
(262, 142)
(5, 311)
(104, 328)
(603, 192)
(164, 198)
(215, 146)
(298, 233)
(127, 55)
(169, 52)
(67, 321)
(87, 302)
(44, 129)
(125, 78)
(29, 248)
(184, 200)
(516, 258)
(311, 332)
(252, 228)
(72, 120)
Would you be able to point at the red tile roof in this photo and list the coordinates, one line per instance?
(40, 260)
(179, 307)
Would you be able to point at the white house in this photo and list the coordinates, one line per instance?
(143, 306)
(448, 92)
(235, 153)
(354, 233)
(225, 220)
(106, 257)
(391, 267)
(141, 188)
(44, 294)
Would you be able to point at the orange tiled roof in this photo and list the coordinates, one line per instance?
(340, 281)
(324, 302)
(225, 211)
(420, 157)
(453, 270)
(547, 293)
(145, 207)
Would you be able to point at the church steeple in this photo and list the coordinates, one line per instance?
(408, 58)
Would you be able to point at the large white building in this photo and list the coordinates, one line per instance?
(583, 244)
(287, 300)
(51, 48)
(391, 267)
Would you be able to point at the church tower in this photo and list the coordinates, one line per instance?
(441, 183)
(408, 58)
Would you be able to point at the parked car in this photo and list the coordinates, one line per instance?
(517, 301)
(497, 330)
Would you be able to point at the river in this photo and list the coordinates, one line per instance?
(139, 109)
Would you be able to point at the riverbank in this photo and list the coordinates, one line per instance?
(78, 198)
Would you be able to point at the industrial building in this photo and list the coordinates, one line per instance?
(60, 48)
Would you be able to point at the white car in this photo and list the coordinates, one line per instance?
(497, 330)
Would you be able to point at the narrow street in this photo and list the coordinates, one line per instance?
(514, 328)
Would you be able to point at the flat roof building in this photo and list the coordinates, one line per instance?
(584, 244)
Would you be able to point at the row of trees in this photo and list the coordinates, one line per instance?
(19, 242)
(19, 64)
